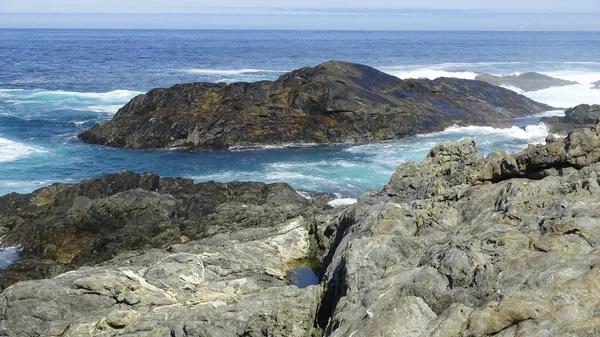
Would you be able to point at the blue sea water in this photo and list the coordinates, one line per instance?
(55, 84)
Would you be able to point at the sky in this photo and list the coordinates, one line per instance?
(305, 14)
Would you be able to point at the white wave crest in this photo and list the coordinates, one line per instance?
(313, 164)
(515, 89)
(587, 76)
(52, 95)
(551, 113)
(431, 73)
(568, 96)
(110, 108)
(533, 134)
(287, 176)
(9, 255)
(338, 202)
(11, 151)
(227, 72)
(576, 62)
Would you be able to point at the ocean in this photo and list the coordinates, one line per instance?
(55, 84)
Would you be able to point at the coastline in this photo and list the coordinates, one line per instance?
(206, 258)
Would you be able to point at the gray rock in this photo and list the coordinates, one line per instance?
(583, 115)
(526, 81)
(596, 85)
(222, 287)
(498, 246)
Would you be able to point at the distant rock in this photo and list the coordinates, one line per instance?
(526, 81)
(596, 85)
(335, 102)
(583, 115)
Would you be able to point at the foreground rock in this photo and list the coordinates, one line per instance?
(224, 286)
(583, 115)
(64, 226)
(230, 249)
(334, 102)
(526, 81)
(459, 245)
(456, 245)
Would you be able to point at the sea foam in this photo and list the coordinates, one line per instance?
(338, 202)
(531, 133)
(227, 72)
(11, 150)
(9, 255)
(40, 94)
(584, 73)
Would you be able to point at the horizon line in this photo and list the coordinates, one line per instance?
(311, 30)
(307, 12)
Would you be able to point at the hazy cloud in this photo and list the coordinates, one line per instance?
(262, 6)
(307, 14)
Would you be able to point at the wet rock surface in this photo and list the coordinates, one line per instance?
(526, 81)
(583, 115)
(455, 245)
(335, 102)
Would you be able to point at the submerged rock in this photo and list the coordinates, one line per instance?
(583, 115)
(334, 102)
(526, 81)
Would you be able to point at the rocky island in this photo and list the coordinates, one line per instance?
(456, 245)
(335, 102)
(526, 81)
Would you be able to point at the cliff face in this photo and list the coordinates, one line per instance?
(331, 103)
(456, 245)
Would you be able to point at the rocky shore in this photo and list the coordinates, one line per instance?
(455, 245)
(335, 102)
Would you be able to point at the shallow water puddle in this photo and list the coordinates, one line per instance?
(303, 277)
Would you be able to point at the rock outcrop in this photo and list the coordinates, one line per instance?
(456, 245)
(228, 285)
(459, 245)
(596, 85)
(526, 81)
(583, 115)
(66, 226)
(335, 102)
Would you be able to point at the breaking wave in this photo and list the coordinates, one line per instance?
(11, 150)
